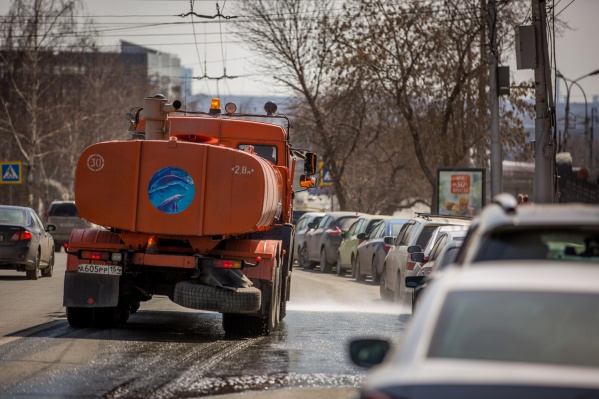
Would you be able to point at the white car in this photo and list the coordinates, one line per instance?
(502, 330)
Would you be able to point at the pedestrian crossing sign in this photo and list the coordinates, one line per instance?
(326, 179)
(11, 172)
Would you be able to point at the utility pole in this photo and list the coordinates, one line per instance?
(496, 149)
(544, 182)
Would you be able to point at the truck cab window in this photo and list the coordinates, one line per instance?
(268, 152)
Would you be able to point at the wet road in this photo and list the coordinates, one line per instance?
(166, 351)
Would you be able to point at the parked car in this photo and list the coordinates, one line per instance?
(557, 232)
(506, 330)
(443, 252)
(350, 241)
(372, 251)
(25, 245)
(64, 215)
(323, 240)
(301, 228)
(413, 237)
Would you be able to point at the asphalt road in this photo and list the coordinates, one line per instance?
(166, 351)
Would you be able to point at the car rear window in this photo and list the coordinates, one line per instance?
(345, 223)
(12, 217)
(547, 243)
(519, 326)
(67, 209)
(425, 235)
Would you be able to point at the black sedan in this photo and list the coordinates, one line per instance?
(25, 245)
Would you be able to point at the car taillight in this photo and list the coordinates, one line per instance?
(21, 236)
(334, 232)
(386, 248)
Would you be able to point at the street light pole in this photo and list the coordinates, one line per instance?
(567, 120)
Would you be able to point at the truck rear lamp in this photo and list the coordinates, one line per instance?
(95, 255)
(227, 264)
(214, 107)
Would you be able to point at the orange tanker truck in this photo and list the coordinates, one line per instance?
(197, 207)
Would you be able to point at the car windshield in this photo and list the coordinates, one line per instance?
(532, 327)
(12, 216)
(556, 244)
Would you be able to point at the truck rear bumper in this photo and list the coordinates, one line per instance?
(203, 297)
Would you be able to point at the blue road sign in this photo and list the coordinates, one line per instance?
(326, 179)
(11, 172)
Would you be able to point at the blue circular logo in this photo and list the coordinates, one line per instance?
(171, 190)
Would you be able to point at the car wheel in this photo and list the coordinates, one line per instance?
(34, 274)
(49, 270)
(340, 270)
(359, 276)
(397, 295)
(386, 295)
(304, 261)
(376, 277)
(325, 267)
(353, 268)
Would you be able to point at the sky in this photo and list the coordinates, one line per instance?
(215, 48)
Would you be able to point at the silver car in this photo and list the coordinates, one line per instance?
(505, 330)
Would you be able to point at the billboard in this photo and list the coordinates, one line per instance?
(460, 191)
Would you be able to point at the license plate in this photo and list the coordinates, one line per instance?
(100, 269)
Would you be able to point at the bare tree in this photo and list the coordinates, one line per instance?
(296, 47)
(426, 56)
(59, 94)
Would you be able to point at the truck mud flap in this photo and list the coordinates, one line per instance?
(203, 297)
(90, 290)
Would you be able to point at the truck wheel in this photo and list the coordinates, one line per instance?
(80, 317)
(250, 325)
(49, 270)
(244, 325)
(325, 267)
(107, 317)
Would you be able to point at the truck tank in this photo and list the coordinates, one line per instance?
(177, 187)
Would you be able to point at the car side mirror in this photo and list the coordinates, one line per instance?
(361, 236)
(389, 240)
(414, 248)
(311, 225)
(417, 257)
(50, 227)
(343, 235)
(368, 352)
(310, 163)
(414, 281)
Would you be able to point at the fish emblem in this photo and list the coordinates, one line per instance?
(170, 205)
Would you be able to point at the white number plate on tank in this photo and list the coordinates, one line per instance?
(100, 269)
